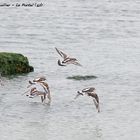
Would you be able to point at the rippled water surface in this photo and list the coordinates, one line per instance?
(104, 35)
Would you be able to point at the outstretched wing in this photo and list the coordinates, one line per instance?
(93, 95)
(76, 63)
(63, 55)
(42, 78)
(69, 60)
(96, 105)
(88, 89)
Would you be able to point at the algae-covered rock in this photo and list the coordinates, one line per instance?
(14, 63)
(79, 77)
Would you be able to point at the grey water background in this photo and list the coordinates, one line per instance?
(104, 35)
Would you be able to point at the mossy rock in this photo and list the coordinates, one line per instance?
(79, 77)
(14, 63)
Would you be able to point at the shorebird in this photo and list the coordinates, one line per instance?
(85, 91)
(66, 59)
(90, 92)
(39, 88)
(34, 92)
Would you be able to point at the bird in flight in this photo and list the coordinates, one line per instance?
(90, 92)
(39, 87)
(66, 59)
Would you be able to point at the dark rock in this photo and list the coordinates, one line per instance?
(14, 63)
(79, 77)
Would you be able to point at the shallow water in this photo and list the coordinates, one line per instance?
(104, 36)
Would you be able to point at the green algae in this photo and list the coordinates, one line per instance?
(14, 63)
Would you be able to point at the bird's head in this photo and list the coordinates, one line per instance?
(60, 64)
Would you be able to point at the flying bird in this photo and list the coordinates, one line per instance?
(66, 59)
(39, 87)
(90, 92)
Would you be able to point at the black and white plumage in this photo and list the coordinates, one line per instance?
(90, 92)
(86, 90)
(39, 87)
(66, 59)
